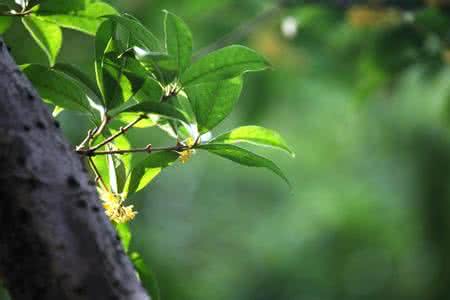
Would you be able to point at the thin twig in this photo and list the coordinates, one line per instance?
(149, 149)
(121, 131)
(93, 133)
(106, 119)
(86, 140)
(98, 177)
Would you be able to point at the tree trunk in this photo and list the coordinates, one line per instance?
(55, 239)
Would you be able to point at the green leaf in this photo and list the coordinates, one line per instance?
(254, 135)
(47, 35)
(123, 231)
(64, 7)
(113, 164)
(162, 109)
(182, 102)
(8, 3)
(118, 88)
(103, 39)
(160, 64)
(150, 91)
(226, 63)
(5, 23)
(85, 19)
(88, 84)
(178, 41)
(212, 102)
(119, 76)
(148, 169)
(118, 165)
(57, 88)
(122, 80)
(147, 100)
(146, 276)
(139, 32)
(243, 157)
(126, 118)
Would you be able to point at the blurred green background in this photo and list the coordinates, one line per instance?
(361, 95)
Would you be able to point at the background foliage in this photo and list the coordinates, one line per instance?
(362, 98)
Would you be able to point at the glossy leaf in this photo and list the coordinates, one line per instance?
(147, 100)
(160, 64)
(87, 83)
(123, 231)
(118, 165)
(226, 63)
(57, 88)
(150, 91)
(113, 168)
(5, 23)
(85, 19)
(254, 135)
(178, 41)
(146, 276)
(8, 3)
(212, 102)
(47, 35)
(182, 102)
(162, 109)
(243, 157)
(63, 7)
(126, 118)
(148, 169)
(139, 32)
(103, 40)
(119, 76)
(118, 88)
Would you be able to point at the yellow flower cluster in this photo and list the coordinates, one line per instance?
(114, 208)
(185, 155)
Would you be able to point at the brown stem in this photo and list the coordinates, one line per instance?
(148, 149)
(121, 131)
(98, 177)
(106, 119)
(93, 133)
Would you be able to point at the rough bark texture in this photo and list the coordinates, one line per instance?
(55, 240)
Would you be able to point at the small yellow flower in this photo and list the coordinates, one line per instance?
(185, 155)
(114, 208)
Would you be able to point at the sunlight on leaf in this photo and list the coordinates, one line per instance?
(243, 157)
(212, 102)
(255, 135)
(47, 35)
(225, 63)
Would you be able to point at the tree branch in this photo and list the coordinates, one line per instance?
(147, 149)
(121, 131)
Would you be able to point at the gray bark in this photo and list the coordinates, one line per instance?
(55, 239)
